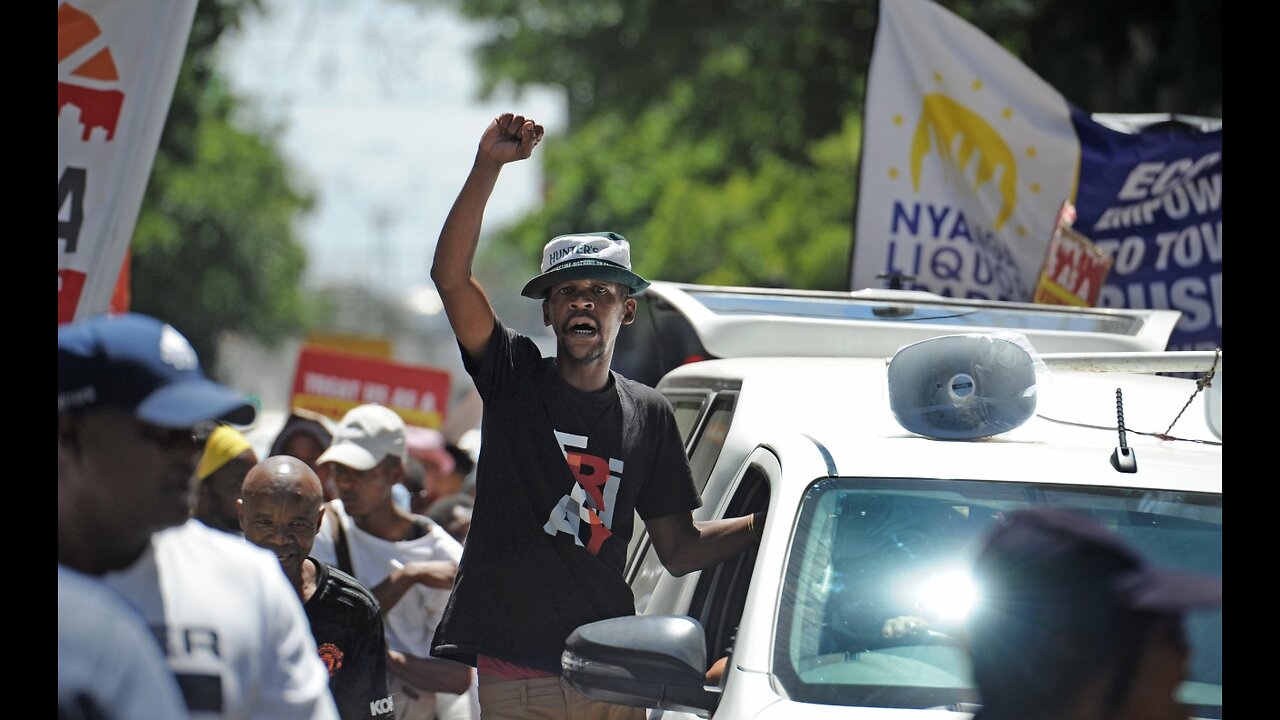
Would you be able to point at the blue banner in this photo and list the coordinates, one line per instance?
(1152, 200)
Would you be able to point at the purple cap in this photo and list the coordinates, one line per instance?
(1044, 552)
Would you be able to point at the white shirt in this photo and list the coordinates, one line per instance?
(107, 657)
(236, 635)
(411, 623)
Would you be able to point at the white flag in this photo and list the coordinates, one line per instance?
(118, 62)
(967, 157)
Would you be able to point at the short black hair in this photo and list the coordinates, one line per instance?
(462, 462)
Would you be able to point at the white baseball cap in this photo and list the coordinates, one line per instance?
(366, 435)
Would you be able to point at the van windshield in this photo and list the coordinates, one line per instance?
(869, 554)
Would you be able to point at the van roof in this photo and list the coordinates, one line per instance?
(741, 322)
(839, 407)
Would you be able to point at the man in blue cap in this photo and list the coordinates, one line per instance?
(133, 405)
(572, 451)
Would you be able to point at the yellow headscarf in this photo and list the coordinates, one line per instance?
(224, 444)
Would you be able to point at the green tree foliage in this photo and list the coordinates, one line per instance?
(215, 248)
(723, 136)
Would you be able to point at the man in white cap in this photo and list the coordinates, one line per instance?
(571, 451)
(132, 404)
(407, 560)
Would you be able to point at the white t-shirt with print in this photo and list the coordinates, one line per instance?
(411, 623)
(107, 658)
(234, 629)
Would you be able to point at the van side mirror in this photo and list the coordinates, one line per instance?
(650, 661)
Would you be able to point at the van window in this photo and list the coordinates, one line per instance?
(721, 593)
(687, 409)
(711, 436)
(868, 550)
(643, 569)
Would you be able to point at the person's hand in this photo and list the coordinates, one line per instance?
(432, 573)
(510, 137)
(903, 625)
(715, 674)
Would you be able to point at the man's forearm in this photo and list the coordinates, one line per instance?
(685, 546)
(456, 248)
(391, 590)
(719, 540)
(432, 573)
(508, 138)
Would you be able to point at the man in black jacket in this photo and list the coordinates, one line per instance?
(281, 507)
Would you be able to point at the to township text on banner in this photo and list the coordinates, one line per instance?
(1158, 214)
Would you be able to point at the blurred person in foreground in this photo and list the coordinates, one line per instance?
(281, 508)
(109, 666)
(225, 461)
(132, 402)
(1074, 624)
(572, 451)
(407, 561)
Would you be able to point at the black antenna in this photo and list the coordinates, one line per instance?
(895, 278)
(1123, 459)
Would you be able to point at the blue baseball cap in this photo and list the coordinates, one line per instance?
(144, 366)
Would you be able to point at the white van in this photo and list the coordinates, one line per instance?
(884, 432)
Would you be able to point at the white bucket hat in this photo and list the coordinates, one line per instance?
(598, 256)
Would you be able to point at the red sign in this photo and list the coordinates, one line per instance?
(331, 383)
(1074, 268)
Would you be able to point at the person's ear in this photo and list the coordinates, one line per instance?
(240, 512)
(546, 314)
(629, 311)
(320, 518)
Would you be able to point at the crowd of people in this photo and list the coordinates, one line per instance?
(370, 569)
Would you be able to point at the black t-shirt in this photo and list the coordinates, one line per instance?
(560, 475)
(347, 624)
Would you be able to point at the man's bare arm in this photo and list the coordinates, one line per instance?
(507, 139)
(432, 573)
(685, 545)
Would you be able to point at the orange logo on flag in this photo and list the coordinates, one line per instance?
(79, 35)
